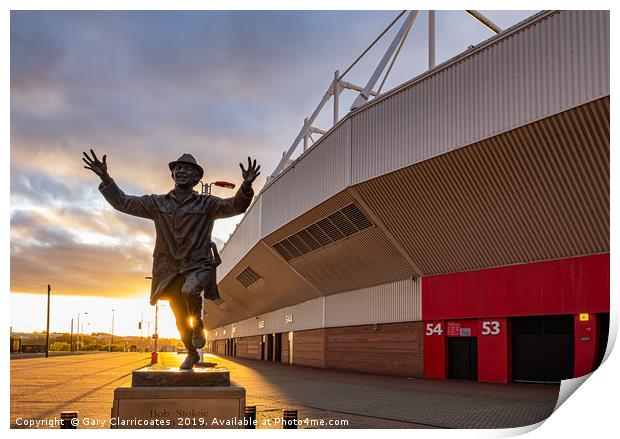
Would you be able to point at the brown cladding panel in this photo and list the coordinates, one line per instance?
(309, 348)
(537, 192)
(285, 358)
(220, 347)
(390, 349)
(249, 347)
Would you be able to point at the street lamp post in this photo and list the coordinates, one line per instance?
(155, 335)
(84, 332)
(148, 330)
(79, 334)
(112, 334)
(47, 331)
(71, 337)
(206, 187)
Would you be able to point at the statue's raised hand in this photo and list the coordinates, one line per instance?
(250, 174)
(94, 164)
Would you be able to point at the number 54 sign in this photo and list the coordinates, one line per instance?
(434, 328)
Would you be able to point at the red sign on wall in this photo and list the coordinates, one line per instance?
(454, 329)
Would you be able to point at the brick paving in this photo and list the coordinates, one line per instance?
(418, 402)
(41, 388)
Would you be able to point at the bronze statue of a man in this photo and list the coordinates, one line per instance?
(185, 259)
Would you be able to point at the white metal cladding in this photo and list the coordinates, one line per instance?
(306, 315)
(321, 173)
(399, 301)
(222, 332)
(245, 237)
(548, 66)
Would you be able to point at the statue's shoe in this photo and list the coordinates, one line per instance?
(198, 338)
(190, 361)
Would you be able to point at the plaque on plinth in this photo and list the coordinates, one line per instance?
(161, 397)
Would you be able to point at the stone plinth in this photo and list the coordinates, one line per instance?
(172, 398)
(174, 377)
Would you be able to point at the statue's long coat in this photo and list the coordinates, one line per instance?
(183, 230)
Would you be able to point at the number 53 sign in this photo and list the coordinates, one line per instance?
(490, 328)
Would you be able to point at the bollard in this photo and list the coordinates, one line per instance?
(66, 417)
(153, 357)
(289, 420)
(250, 416)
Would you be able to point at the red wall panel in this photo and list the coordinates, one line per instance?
(494, 351)
(435, 358)
(564, 286)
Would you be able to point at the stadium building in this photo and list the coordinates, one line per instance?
(456, 226)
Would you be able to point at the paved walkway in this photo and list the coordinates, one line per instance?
(43, 387)
(416, 402)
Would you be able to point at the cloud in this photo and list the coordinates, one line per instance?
(79, 269)
(144, 87)
(80, 250)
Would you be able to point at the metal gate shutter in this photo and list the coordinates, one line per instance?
(543, 348)
(463, 358)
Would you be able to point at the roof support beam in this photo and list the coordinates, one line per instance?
(402, 33)
(485, 21)
(431, 39)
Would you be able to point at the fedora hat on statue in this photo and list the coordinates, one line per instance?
(188, 159)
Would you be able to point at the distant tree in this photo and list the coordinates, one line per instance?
(60, 346)
(63, 337)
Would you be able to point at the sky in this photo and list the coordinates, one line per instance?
(144, 87)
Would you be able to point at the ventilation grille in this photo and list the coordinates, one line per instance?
(339, 225)
(248, 276)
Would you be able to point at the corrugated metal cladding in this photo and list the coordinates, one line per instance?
(245, 237)
(320, 174)
(534, 193)
(365, 259)
(393, 302)
(399, 301)
(548, 66)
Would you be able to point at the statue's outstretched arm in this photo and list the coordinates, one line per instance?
(143, 206)
(223, 208)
